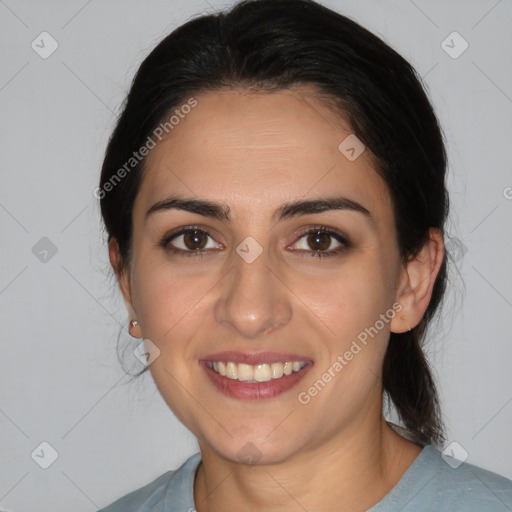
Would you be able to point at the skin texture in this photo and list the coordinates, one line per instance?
(254, 152)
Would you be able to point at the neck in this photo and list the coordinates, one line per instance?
(351, 472)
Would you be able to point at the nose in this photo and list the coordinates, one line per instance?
(253, 301)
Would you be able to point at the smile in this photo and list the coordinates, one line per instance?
(263, 372)
(254, 376)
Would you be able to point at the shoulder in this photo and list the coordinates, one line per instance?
(144, 498)
(436, 482)
(469, 487)
(154, 496)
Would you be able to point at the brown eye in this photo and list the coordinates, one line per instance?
(319, 241)
(189, 242)
(195, 239)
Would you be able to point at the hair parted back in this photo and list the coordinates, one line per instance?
(272, 45)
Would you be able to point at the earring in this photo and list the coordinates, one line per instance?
(403, 318)
(133, 324)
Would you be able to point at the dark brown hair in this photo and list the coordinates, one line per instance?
(271, 45)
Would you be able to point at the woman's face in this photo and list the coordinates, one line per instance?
(259, 289)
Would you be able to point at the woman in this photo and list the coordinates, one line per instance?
(274, 195)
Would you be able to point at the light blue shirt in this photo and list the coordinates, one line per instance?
(429, 484)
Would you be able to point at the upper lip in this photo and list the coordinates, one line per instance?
(253, 358)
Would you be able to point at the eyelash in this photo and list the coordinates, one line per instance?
(338, 236)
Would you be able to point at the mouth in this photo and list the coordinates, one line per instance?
(262, 372)
(254, 377)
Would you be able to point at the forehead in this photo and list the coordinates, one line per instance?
(260, 150)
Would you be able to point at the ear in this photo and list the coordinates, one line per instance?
(417, 282)
(123, 279)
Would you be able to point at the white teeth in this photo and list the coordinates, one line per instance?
(277, 370)
(262, 372)
(245, 372)
(231, 371)
(296, 366)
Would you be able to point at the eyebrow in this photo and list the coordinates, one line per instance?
(288, 210)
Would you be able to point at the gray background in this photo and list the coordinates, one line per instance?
(59, 375)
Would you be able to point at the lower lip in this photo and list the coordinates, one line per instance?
(255, 390)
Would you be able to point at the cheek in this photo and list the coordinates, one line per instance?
(169, 302)
(351, 304)
(348, 300)
(171, 307)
